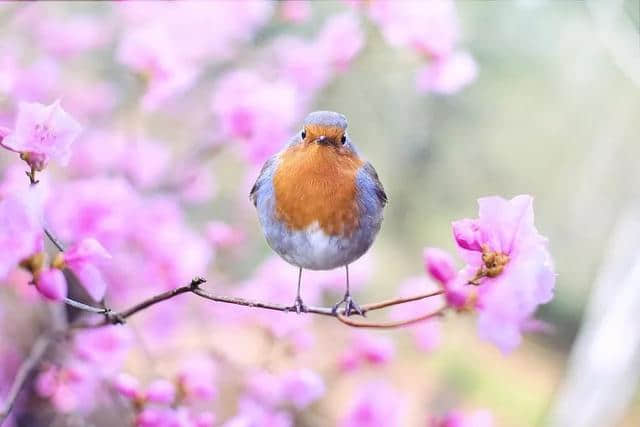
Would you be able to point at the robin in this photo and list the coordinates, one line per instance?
(319, 204)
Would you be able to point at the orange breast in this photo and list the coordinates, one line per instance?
(316, 183)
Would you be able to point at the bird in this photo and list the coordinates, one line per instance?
(319, 204)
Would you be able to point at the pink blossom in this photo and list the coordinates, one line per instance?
(430, 27)
(457, 418)
(197, 183)
(71, 35)
(52, 284)
(302, 387)
(104, 349)
(169, 46)
(299, 62)
(39, 80)
(427, 334)
(257, 112)
(340, 40)
(146, 162)
(197, 378)
(204, 419)
(161, 391)
(439, 264)
(448, 74)
(376, 404)
(69, 389)
(41, 130)
(20, 228)
(295, 10)
(467, 234)
(83, 259)
(251, 413)
(366, 347)
(224, 236)
(128, 386)
(97, 152)
(517, 269)
(150, 51)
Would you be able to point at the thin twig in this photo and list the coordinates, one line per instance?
(113, 317)
(390, 325)
(24, 372)
(396, 301)
(55, 241)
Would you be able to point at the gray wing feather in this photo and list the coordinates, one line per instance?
(377, 189)
(265, 174)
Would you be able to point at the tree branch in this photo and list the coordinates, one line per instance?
(113, 317)
(24, 372)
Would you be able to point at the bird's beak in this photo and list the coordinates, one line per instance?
(321, 140)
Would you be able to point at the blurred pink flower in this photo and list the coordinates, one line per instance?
(128, 386)
(161, 391)
(340, 40)
(430, 27)
(197, 378)
(20, 228)
(71, 35)
(300, 63)
(457, 418)
(204, 419)
(519, 273)
(426, 334)
(366, 347)
(224, 236)
(197, 183)
(103, 349)
(52, 284)
(68, 388)
(83, 258)
(295, 10)
(447, 75)
(90, 99)
(146, 162)
(170, 46)
(299, 388)
(100, 208)
(258, 112)
(302, 387)
(43, 131)
(439, 264)
(149, 50)
(253, 414)
(97, 152)
(39, 80)
(376, 404)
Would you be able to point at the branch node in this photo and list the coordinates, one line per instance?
(196, 282)
(114, 318)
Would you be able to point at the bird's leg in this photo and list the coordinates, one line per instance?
(350, 306)
(298, 305)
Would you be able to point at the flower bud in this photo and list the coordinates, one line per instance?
(439, 265)
(161, 391)
(127, 386)
(467, 234)
(52, 284)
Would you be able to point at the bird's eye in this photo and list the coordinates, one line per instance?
(303, 134)
(343, 139)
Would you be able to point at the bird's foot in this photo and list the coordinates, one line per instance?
(298, 306)
(350, 307)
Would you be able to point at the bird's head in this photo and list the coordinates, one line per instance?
(326, 129)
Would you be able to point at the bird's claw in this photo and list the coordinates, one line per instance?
(350, 307)
(298, 306)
